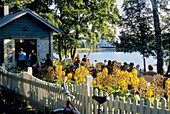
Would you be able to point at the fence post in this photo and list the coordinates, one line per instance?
(163, 107)
(29, 69)
(89, 83)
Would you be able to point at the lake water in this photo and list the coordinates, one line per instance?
(134, 57)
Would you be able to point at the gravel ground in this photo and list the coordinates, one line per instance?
(10, 105)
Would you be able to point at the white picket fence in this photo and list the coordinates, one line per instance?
(45, 96)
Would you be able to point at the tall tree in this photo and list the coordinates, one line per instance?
(158, 38)
(88, 18)
(136, 26)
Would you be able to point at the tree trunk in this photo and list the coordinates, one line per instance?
(90, 51)
(75, 48)
(144, 63)
(158, 38)
(65, 49)
(71, 52)
(74, 52)
(59, 49)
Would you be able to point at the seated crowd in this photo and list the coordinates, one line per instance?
(94, 68)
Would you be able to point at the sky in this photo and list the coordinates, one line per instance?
(119, 3)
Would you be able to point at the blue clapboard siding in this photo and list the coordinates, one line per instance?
(16, 29)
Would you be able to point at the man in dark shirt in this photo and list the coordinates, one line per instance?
(84, 59)
(131, 67)
(33, 58)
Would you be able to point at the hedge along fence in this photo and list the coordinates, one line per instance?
(45, 96)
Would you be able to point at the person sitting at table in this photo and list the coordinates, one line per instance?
(94, 63)
(150, 72)
(109, 67)
(131, 67)
(48, 61)
(104, 65)
(123, 67)
(88, 64)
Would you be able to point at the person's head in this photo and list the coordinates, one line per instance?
(95, 60)
(137, 66)
(68, 56)
(113, 62)
(21, 49)
(125, 63)
(109, 62)
(32, 51)
(131, 64)
(47, 55)
(78, 55)
(150, 67)
(105, 61)
(84, 56)
(71, 67)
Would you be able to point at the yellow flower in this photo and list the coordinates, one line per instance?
(135, 82)
(75, 77)
(63, 73)
(122, 84)
(77, 71)
(82, 68)
(86, 72)
(167, 87)
(49, 69)
(150, 87)
(94, 82)
(100, 87)
(143, 83)
(83, 80)
(56, 68)
(105, 70)
(56, 62)
(69, 75)
(149, 93)
(60, 67)
(134, 72)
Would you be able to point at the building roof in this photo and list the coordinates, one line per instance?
(9, 18)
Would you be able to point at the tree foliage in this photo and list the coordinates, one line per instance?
(136, 27)
(137, 22)
(86, 19)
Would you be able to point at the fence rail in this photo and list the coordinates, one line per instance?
(45, 96)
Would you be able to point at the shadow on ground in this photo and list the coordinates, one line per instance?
(10, 105)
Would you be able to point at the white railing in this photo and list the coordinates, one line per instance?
(45, 96)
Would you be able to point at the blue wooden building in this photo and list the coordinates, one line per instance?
(27, 30)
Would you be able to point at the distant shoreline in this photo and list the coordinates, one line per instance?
(87, 49)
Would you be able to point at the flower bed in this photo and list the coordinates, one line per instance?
(122, 83)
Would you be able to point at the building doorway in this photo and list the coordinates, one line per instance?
(27, 44)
